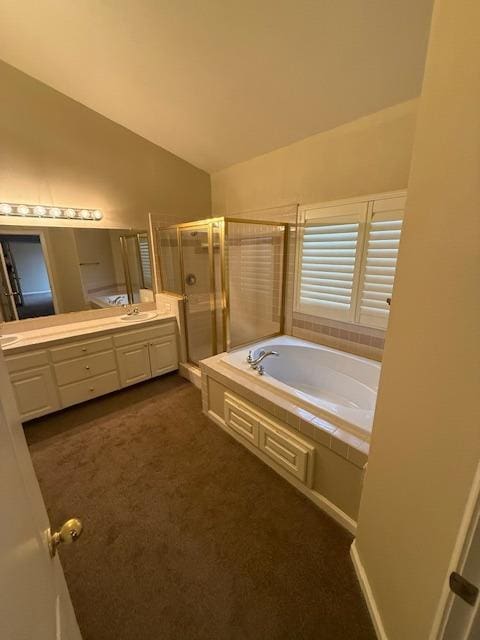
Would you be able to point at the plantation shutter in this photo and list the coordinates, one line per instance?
(145, 260)
(380, 262)
(330, 261)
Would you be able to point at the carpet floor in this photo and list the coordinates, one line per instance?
(187, 535)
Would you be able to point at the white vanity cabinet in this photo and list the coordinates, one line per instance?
(33, 384)
(80, 369)
(145, 353)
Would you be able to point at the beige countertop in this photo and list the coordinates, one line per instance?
(66, 332)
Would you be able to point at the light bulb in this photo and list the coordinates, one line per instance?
(39, 211)
(23, 210)
(70, 213)
(5, 209)
(85, 213)
(55, 212)
(97, 214)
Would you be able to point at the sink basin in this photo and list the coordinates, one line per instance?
(7, 340)
(138, 317)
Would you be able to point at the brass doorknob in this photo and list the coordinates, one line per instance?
(70, 531)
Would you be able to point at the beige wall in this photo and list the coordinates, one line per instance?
(369, 155)
(55, 151)
(426, 438)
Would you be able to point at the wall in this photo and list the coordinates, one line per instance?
(426, 440)
(67, 279)
(95, 259)
(369, 155)
(30, 264)
(57, 152)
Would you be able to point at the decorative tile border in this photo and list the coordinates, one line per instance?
(362, 341)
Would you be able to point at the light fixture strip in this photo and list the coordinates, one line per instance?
(41, 211)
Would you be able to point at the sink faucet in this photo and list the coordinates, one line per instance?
(264, 354)
(117, 299)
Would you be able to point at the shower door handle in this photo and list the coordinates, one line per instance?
(13, 293)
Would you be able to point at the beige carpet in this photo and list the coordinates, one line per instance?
(188, 535)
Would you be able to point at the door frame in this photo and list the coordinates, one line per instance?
(469, 527)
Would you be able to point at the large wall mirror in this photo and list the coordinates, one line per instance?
(45, 271)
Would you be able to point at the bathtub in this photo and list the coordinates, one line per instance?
(331, 384)
(111, 300)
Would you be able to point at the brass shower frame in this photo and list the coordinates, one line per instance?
(222, 225)
(126, 262)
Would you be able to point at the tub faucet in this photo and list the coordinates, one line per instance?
(251, 359)
(261, 357)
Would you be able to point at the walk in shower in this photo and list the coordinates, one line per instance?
(231, 274)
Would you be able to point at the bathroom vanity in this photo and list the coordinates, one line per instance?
(65, 365)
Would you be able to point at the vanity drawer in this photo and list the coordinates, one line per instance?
(81, 391)
(144, 335)
(291, 453)
(27, 361)
(239, 418)
(83, 368)
(79, 349)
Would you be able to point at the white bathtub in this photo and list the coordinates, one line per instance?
(332, 384)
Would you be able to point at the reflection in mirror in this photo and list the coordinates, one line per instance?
(44, 271)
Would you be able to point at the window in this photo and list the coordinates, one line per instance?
(347, 260)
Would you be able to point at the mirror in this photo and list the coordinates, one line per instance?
(51, 270)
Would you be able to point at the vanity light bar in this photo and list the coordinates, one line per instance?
(40, 211)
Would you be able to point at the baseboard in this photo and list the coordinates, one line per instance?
(367, 593)
(317, 498)
(191, 373)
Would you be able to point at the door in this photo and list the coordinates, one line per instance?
(163, 355)
(198, 283)
(35, 603)
(133, 363)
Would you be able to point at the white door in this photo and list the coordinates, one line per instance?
(34, 599)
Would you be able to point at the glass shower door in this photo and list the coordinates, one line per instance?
(197, 275)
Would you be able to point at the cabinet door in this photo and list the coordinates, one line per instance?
(133, 363)
(163, 355)
(36, 392)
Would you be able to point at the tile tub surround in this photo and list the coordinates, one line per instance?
(359, 340)
(340, 456)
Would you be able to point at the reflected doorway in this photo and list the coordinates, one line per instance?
(26, 290)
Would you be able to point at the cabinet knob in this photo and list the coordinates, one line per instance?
(84, 348)
(92, 388)
(87, 367)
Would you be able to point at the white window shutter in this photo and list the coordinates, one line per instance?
(329, 261)
(379, 265)
(144, 251)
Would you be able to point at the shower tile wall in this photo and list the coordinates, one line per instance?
(255, 258)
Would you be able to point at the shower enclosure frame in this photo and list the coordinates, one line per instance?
(222, 226)
(126, 261)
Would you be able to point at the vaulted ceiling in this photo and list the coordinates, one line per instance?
(220, 81)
